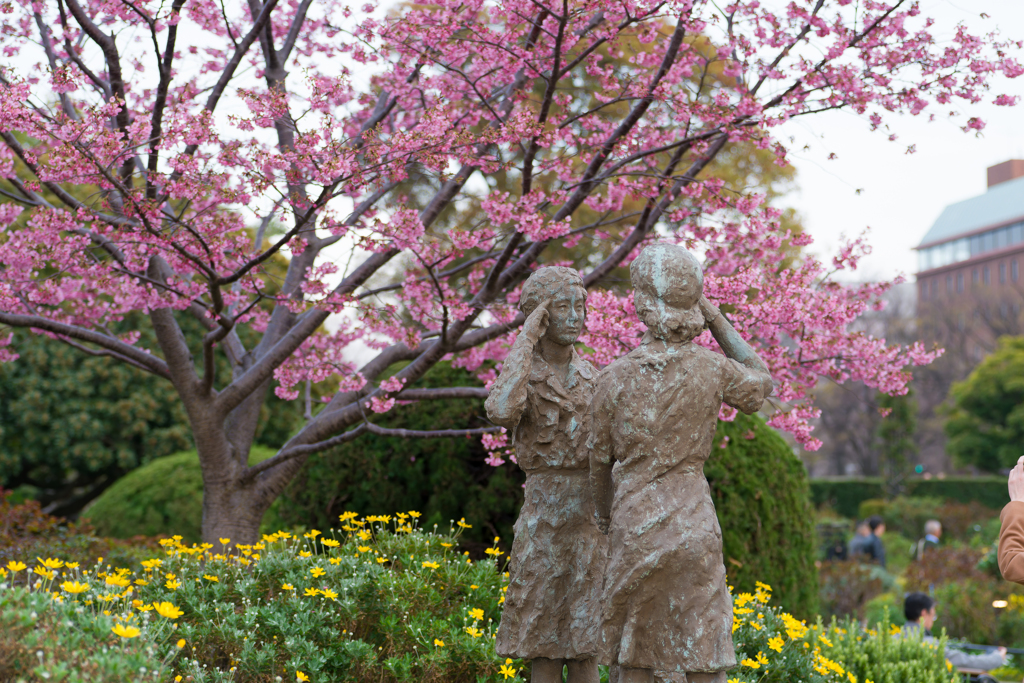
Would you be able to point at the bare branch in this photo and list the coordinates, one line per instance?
(445, 393)
(151, 363)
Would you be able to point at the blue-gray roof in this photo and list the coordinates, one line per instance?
(1001, 204)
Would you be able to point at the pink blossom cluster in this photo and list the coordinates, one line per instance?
(335, 179)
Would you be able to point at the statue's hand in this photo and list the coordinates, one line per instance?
(537, 324)
(708, 309)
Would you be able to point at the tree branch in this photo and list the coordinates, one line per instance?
(151, 363)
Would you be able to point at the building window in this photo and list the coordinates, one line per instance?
(1013, 270)
(935, 287)
(1002, 273)
(985, 276)
(949, 283)
(974, 276)
(960, 282)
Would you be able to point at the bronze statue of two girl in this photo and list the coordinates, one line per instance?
(617, 557)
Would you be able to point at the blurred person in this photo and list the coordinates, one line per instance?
(919, 609)
(932, 534)
(875, 549)
(1011, 530)
(860, 541)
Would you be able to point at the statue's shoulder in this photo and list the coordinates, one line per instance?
(619, 366)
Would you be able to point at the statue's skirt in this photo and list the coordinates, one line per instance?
(552, 606)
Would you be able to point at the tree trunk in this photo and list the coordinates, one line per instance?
(230, 511)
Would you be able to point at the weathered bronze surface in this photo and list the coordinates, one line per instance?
(666, 605)
(552, 607)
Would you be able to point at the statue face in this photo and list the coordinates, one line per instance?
(566, 313)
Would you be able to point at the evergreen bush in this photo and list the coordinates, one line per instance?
(759, 487)
(162, 497)
(844, 495)
(446, 479)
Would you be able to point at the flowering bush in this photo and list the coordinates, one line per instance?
(774, 647)
(379, 599)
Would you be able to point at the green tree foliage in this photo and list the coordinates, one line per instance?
(163, 497)
(896, 437)
(761, 496)
(986, 423)
(70, 424)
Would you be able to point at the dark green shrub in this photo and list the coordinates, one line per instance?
(844, 495)
(163, 497)
(445, 479)
(760, 491)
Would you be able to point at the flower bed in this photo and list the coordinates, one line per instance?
(377, 600)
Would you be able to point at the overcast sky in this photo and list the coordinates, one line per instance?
(902, 195)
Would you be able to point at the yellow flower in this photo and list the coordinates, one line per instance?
(3, 573)
(334, 560)
(755, 625)
(50, 563)
(473, 586)
(167, 610)
(299, 676)
(173, 585)
(313, 533)
(506, 670)
(826, 641)
(494, 551)
(141, 582)
(71, 565)
(363, 548)
(853, 679)
(287, 587)
(347, 515)
(751, 663)
(330, 543)
(477, 614)
(74, 587)
(893, 629)
(45, 573)
(329, 594)
(125, 631)
(224, 541)
(381, 560)
(413, 513)
(761, 659)
(181, 643)
(776, 644)
(118, 581)
(211, 578)
(438, 643)
(446, 545)
(312, 592)
(462, 523)
(431, 565)
(317, 571)
(475, 632)
(364, 535)
(305, 553)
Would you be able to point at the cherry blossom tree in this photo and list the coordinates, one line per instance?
(159, 156)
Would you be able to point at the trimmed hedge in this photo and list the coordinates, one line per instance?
(760, 491)
(163, 497)
(845, 495)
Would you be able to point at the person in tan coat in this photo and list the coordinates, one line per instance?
(1011, 532)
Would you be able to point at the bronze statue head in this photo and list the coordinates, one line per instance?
(667, 284)
(568, 308)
